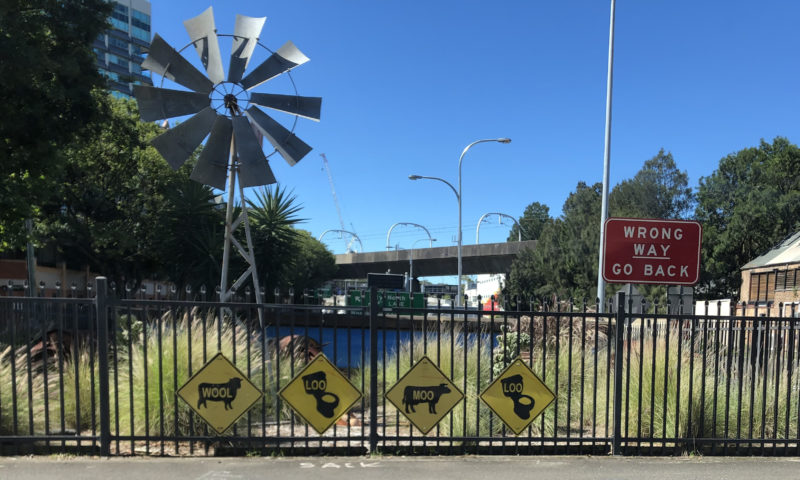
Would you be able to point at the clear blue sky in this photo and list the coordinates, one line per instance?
(406, 85)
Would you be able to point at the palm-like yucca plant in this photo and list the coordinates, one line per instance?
(273, 216)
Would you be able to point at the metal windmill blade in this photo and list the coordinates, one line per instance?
(232, 153)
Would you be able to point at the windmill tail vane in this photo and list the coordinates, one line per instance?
(226, 113)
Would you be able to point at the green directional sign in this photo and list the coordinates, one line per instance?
(387, 299)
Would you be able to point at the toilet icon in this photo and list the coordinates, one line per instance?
(315, 385)
(512, 388)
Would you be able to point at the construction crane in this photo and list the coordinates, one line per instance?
(336, 201)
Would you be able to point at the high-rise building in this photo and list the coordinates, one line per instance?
(121, 49)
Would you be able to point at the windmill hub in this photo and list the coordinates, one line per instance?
(232, 104)
(230, 99)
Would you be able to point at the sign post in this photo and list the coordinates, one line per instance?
(663, 252)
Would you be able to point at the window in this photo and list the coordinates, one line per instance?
(141, 16)
(140, 24)
(787, 280)
(118, 7)
(762, 286)
(117, 42)
(143, 35)
(118, 61)
(122, 17)
(119, 25)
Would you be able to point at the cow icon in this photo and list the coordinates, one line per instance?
(413, 395)
(219, 392)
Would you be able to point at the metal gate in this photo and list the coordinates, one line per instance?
(100, 375)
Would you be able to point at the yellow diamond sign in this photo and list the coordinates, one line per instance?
(424, 395)
(320, 394)
(219, 393)
(517, 396)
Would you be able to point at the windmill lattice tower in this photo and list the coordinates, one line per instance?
(225, 110)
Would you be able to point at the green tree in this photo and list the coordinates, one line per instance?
(49, 73)
(564, 262)
(312, 265)
(746, 206)
(532, 221)
(108, 212)
(658, 190)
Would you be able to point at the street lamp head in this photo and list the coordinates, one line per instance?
(414, 177)
(504, 140)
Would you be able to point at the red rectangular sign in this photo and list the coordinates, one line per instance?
(639, 250)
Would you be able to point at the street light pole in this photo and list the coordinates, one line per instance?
(601, 285)
(459, 300)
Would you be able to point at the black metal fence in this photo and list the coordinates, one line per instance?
(101, 375)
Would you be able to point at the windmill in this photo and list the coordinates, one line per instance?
(227, 112)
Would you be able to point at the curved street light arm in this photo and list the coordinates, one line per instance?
(361, 246)
(501, 215)
(458, 197)
(407, 224)
(461, 158)
(419, 177)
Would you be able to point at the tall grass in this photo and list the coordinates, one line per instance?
(678, 383)
(160, 357)
(21, 405)
(469, 417)
(691, 386)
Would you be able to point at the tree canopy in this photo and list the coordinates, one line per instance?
(746, 206)
(49, 73)
(532, 221)
(564, 262)
(108, 213)
(658, 190)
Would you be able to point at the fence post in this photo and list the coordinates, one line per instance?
(616, 446)
(373, 369)
(101, 304)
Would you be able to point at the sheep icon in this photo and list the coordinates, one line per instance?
(219, 392)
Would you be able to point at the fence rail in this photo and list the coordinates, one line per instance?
(101, 375)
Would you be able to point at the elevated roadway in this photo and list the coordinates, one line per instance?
(430, 262)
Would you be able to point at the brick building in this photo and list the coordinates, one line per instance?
(774, 278)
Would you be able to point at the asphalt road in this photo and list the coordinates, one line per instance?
(416, 468)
